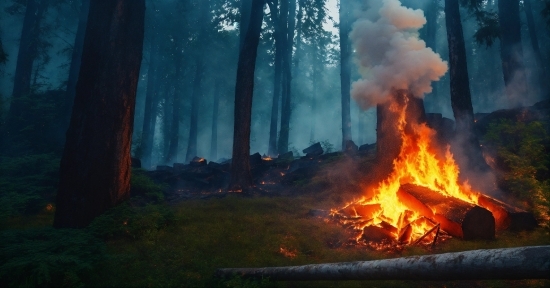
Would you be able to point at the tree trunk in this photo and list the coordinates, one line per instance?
(149, 113)
(241, 179)
(214, 138)
(246, 5)
(345, 70)
(176, 113)
(284, 134)
(506, 263)
(193, 125)
(277, 76)
(27, 53)
(75, 63)
(461, 99)
(95, 167)
(536, 49)
(168, 108)
(511, 51)
(197, 92)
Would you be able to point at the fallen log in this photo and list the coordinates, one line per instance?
(458, 218)
(508, 263)
(506, 216)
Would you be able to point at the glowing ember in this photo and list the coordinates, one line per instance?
(418, 163)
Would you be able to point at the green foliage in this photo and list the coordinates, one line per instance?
(143, 186)
(521, 152)
(238, 281)
(28, 183)
(48, 257)
(327, 146)
(125, 221)
(37, 126)
(488, 28)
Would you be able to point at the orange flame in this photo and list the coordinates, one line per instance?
(418, 163)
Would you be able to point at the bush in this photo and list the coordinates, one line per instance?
(28, 183)
(48, 257)
(521, 153)
(125, 221)
(143, 186)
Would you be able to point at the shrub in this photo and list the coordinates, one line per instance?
(125, 221)
(521, 153)
(28, 183)
(143, 186)
(48, 257)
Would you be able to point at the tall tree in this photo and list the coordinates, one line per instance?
(535, 45)
(289, 22)
(95, 167)
(28, 51)
(345, 69)
(280, 31)
(215, 109)
(241, 179)
(75, 62)
(461, 99)
(176, 103)
(199, 73)
(511, 51)
(149, 113)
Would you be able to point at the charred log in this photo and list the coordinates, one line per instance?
(508, 217)
(508, 263)
(457, 217)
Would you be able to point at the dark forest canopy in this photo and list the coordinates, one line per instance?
(185, 97)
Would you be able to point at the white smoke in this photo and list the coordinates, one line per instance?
(390, 55)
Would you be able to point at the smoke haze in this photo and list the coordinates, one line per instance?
(390, 55)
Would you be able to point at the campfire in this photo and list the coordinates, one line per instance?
(422, 198)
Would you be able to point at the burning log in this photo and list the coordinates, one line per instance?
(457, 217)
(508, 263)
(508, 217)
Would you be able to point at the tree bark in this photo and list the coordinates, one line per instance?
(75, 63)
(214, 138)
(176, 102)
(149, 113)
(511, 51)
(193, 126)
(27, 53)
(246, 5)
(95, 167)
(345, 70)
(277, 76)
(506, 263)
(241, 179)
(197, 92)
(289, 20)
(461, 99)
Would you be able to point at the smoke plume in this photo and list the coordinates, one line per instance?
(390, 55)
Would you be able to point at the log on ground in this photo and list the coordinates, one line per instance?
(531, 262)
(458, 218)
(508, 217)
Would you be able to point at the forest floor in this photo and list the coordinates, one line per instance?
(183, 243)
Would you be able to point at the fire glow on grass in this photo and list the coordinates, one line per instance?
(418, 163)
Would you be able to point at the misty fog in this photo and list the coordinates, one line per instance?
(176, 33)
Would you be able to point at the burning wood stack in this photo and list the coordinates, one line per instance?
(420, 197)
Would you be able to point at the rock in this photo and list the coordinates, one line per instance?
(314, 150)
(180, 166)
(136, 163)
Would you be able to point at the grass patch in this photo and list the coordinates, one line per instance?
(253, 232)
